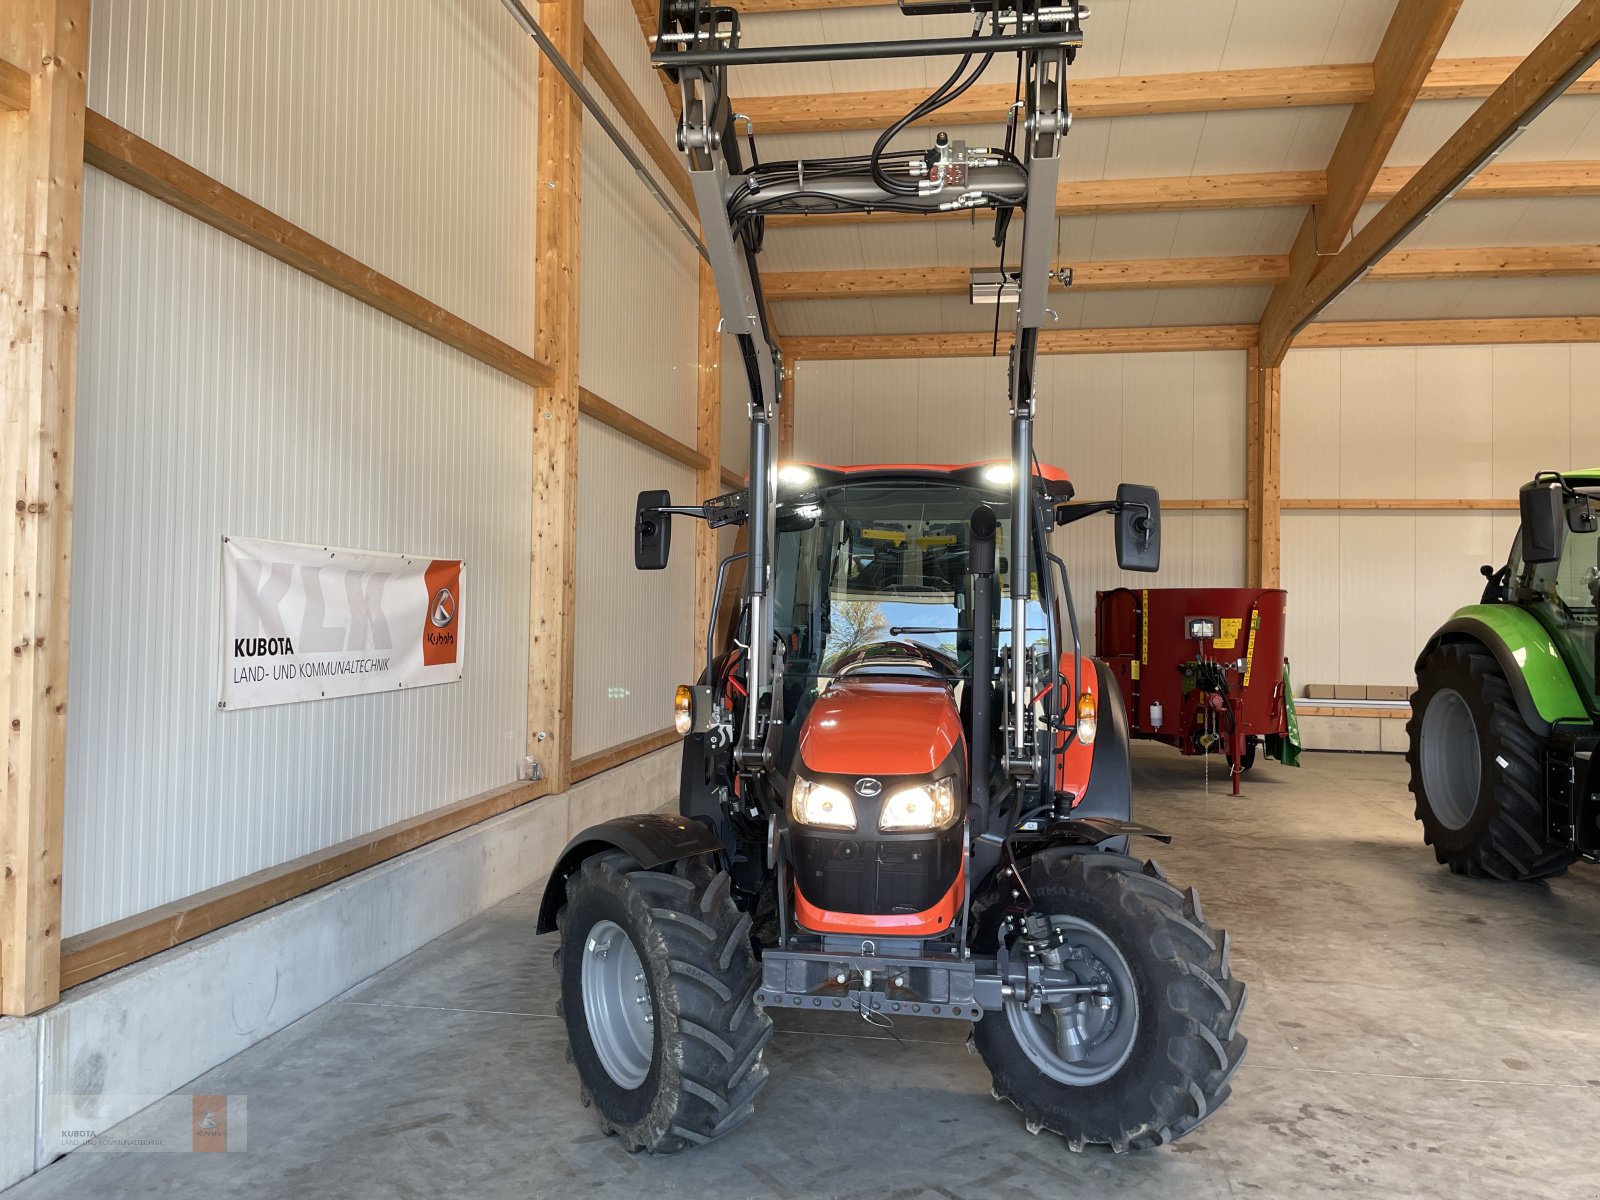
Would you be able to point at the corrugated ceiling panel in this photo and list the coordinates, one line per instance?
(635, 631)
(1464, 222)
(221, 392)
(402, 133)
(1568, 129)
(1493, 28)
(1479, 298)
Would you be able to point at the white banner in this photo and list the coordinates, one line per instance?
(308, 622)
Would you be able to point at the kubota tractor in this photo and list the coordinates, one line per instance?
(1505, 722)
(905, 789)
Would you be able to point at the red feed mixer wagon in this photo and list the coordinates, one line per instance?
(1202, 669)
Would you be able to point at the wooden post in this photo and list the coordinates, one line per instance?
(708, 440)
(41, 236)
(1263, 469)
(555, 433)
(786, 417)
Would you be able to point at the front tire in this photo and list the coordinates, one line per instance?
(1477, 770)
(1156, 1060)
(658, 985)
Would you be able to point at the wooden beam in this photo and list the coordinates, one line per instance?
(89, 955)
(667, 160)
(1410, 45)
(1470, 332)
(751, 8)
(1543, 75)
(708, 437)
(1498, 504)
(1095, 97)
(1109, 276)
(1328, 708)
(591, 765)
(555, 439)
(1262, 189)
(1506, 181)
(16, 87)
(41, 239)
(732, 479)
(1092, 97)
(123, 154)
(1489, 262)
(1203, 505)
(1134, 340)
(646, 434)
(1263, 469)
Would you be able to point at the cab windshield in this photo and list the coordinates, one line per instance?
(872, 577)
(1563, 596)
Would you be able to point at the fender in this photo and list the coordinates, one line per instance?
(654, 840)
(1110, 790)
(1539, 677)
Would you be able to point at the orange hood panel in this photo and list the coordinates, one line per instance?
(874, 725)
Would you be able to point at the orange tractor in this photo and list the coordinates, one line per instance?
(905, 788)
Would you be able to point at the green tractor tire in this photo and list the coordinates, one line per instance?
(1477, 770)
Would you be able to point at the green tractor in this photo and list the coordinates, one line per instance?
(1505, 722)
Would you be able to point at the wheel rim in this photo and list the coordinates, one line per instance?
(1452, 765)
(1105, 1035)
(617, 1007)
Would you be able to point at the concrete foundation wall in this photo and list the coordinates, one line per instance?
(115, 1045)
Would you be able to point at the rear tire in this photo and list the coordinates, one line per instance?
(1477, 770)
(668, 1045)
(1132, 1091)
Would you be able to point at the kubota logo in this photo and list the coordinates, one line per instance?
(869, 787)
(444, 608)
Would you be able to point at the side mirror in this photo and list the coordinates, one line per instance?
(652, 531)
(1544, 521)
(1138, 527)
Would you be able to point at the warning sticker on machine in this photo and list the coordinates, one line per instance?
(1228, 635)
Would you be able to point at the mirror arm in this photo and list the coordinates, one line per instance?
(1066, 514)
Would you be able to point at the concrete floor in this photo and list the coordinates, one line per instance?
(1412, 1034)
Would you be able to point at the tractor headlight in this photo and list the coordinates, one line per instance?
(1088, 719)
(926, 806)
(821, 805)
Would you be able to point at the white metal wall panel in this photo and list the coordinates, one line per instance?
(635, 630)
(401, 132)
(1173, 420)
(1446, 422)
(220, 393)
(640, 295)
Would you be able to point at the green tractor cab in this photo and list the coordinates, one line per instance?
(1505, 722)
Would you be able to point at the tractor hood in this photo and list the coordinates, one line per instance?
(880, 725)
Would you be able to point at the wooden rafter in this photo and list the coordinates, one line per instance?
(1476, 331)
(1245, 270)
(1409, 47)
(15, 87)
(41, 237)
(1052, 341)
(1261, 189)
(1095, 97)
(1569, 50)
